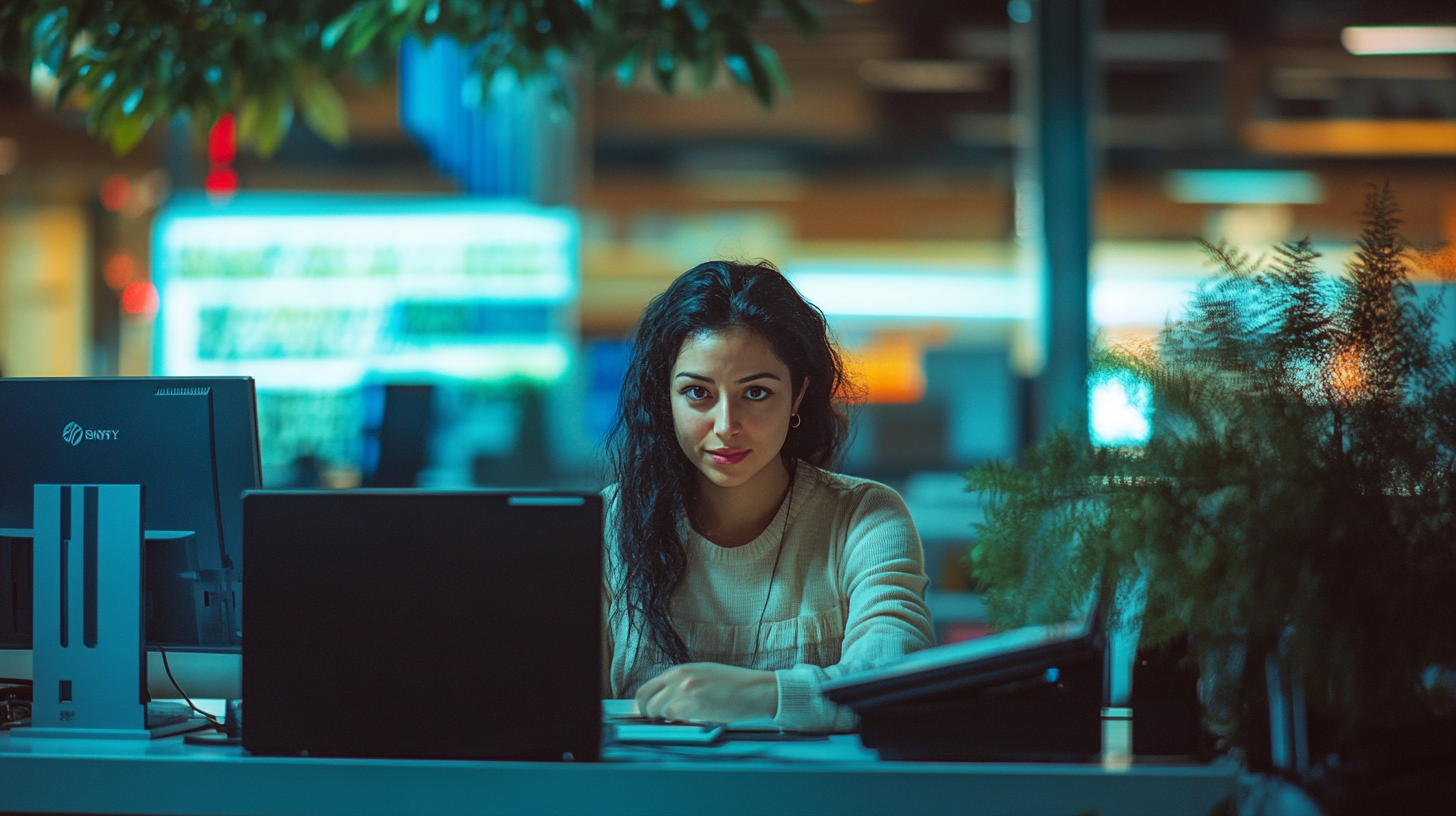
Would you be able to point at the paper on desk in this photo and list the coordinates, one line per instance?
(619, 708)
(614, 709)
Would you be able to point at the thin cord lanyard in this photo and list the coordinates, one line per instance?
(788, 508)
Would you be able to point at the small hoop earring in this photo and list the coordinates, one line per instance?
(796, 421)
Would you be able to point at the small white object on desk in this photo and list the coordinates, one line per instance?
(668, 733)
(613, 711)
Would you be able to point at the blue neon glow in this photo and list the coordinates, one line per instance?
(1244, 187)
(496, 141)
(1121, 407)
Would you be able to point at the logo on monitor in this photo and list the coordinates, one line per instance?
(74, 433)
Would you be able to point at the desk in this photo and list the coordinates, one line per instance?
(834, 776)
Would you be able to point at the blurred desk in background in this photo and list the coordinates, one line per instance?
(835, 775)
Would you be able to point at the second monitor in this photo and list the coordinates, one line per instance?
(192, 443)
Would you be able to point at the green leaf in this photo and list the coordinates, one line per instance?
(626, 67)
(126, 129)
(750, 69)
(664, 67)
(125, 134)
(696, 13)
(265, 119)
(805, 19)
(705, 70)
(323, 108)
(773, 68)
(335, 31)
(71, 77)
(254, 54)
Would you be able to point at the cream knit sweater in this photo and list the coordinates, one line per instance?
(849, 594)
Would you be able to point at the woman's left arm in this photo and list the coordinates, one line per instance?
(882, 576)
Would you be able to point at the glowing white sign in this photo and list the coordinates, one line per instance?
(323, 292)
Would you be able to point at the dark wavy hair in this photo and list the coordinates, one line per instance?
(655, 479)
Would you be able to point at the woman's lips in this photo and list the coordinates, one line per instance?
(727, 456)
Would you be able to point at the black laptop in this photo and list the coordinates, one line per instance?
(402, 623)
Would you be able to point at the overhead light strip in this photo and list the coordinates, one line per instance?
(1366, 40)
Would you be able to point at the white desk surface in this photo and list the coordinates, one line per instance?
(834, 776)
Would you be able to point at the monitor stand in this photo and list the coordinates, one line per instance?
(89, 664)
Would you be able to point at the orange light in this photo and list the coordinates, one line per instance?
(119, 271)
(1353, 137)
(891, 369)
(139, 298)
(114, 192)
(1347, 374)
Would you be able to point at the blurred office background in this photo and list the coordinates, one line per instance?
(399, 340)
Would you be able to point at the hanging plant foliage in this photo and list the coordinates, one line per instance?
(130, 65)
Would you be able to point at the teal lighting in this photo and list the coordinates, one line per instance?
(1121, 410)
(321, 297)
(1244, 187)
(319, 291)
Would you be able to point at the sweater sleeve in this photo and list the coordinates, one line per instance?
(882, 581)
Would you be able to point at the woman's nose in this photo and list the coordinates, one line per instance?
(724, 421)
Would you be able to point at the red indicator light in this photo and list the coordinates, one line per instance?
(222, 140)
(120, 270)
(139, 298)
(114, 192)
(221, 183)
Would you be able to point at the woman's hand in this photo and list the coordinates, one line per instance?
(709, 691)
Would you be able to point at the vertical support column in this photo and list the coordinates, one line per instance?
(1065, 80)
(89, 663)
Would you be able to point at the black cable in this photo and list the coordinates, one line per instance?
(190, 704)
(788, 508)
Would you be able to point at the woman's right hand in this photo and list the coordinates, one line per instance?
(709, 692)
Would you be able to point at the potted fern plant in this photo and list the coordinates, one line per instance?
(1293, 515)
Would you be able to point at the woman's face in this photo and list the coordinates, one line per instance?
(731, 403)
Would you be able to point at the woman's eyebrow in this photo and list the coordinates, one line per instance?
(763, 375)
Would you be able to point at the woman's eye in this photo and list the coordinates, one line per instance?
(757, 392)
(695, 392)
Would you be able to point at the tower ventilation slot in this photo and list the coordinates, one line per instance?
(199, 391)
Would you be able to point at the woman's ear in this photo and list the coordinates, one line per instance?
(803, 389)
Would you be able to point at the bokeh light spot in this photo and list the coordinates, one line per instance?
(222, 142)
(139, 298)
(119, 271)
(114, 192)
(1122, 409)
(221, 183)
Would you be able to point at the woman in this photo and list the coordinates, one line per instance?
(741, 575)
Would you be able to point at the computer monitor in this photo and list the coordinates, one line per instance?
(191, 442)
